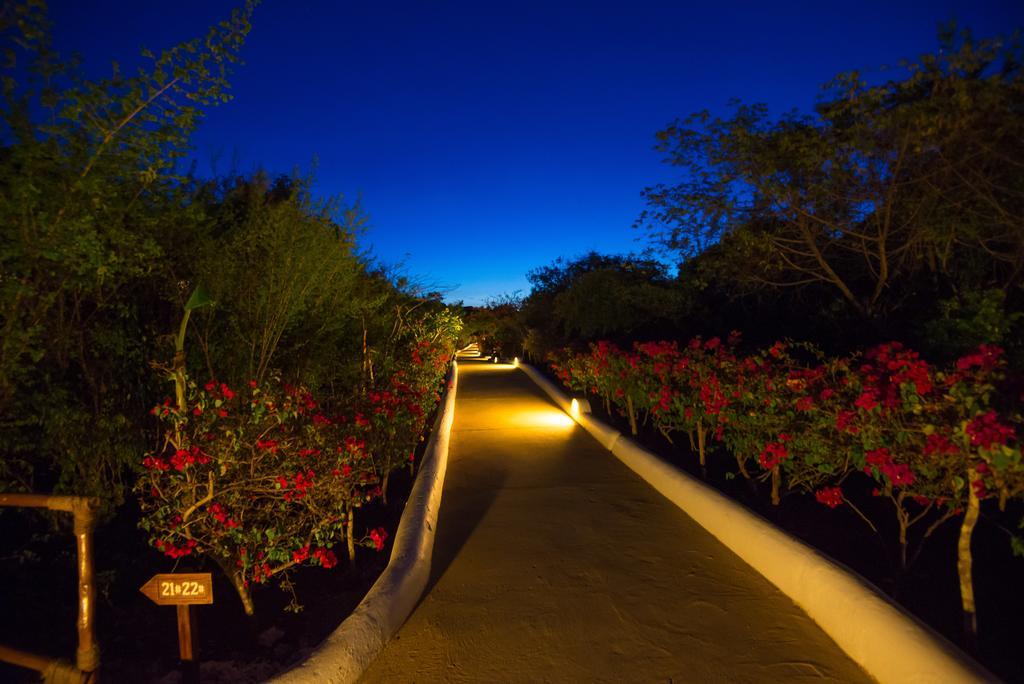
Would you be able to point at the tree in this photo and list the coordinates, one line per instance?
(885, 189)
(596, 296)
(90, 207)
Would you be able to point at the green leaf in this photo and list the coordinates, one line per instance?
(200, 297)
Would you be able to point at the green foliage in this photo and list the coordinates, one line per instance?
(496, 327)
(596, 296)
(281, 267)
(974, 318)
(886, 190)
(90, 209)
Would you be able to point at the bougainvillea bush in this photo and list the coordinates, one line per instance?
(263, 478)
(258, 479)
(934, 443)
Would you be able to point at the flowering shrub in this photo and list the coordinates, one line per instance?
(264, 479)
(259, 480)
(935, 443)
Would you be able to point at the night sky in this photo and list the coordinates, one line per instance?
(488, 138)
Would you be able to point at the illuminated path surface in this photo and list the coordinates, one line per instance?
(553, 562)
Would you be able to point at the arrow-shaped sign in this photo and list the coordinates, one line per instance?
(179, 589)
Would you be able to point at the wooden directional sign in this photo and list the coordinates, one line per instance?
(179, 588)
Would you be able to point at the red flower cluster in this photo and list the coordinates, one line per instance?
(888, 367)
(986, 430)
(881, 459)
(844, 420)
(774, 453)
(182, 458)
(830, 496)
(937, 444)
(155, 463)
(326, 557)
(984, 359)
(174, 551)
(221, 515)
(378, 536)
(301, 482)
(805, 403)
(222, 392)
(267, 445)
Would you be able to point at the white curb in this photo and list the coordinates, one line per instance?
(891, 645)
(349, 650)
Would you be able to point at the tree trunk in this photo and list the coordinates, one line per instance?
(776, 482)
(964, 561)
(384, 488)
(741, 463)
(903, 546)
(632, 415)
(235, 577)
(702, 438)
(349, 539)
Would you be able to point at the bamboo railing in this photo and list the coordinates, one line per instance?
(87, 657)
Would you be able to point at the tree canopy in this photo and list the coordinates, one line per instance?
(883, 191)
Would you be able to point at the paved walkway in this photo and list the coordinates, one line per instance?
(553, 562)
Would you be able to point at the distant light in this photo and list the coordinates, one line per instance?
(515, 362)
(495, 358)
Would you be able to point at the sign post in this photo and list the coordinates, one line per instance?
(183, 590)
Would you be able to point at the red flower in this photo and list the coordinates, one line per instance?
(867, 400)
(985, 358)
(805, 403)
(153, 463)
(938, 444)
(326, 557)
(774, 453)
(881, 460)
(986, 430)
(844, 420)
(830, 496)
(379, 536)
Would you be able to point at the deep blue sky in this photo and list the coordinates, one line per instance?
(488, 138)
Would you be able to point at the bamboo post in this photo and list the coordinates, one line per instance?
(87, 656)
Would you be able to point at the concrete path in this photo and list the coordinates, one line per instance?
(553, 562)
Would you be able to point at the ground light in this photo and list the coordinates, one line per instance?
(578, 407)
